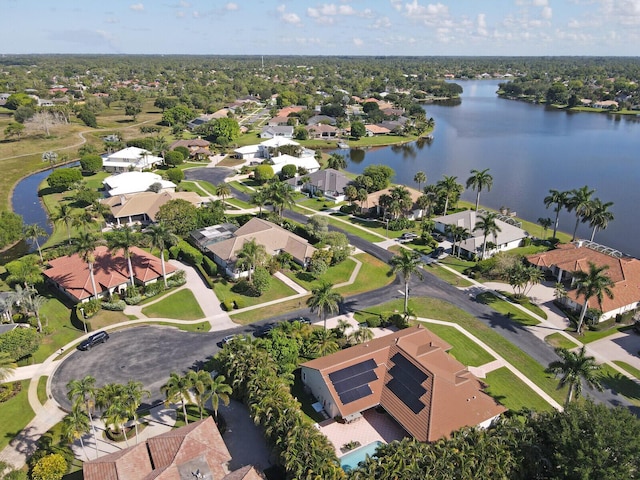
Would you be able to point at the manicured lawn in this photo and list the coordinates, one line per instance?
(42, 390)
(588, 336)
(507, 309)
(465, 350)
(620, 384)
(526, 303)
(512, 392)
(458, 264)
(229, 162)
(242, 187)
(238, 203)
(276, 290)
(447, 276)
(181, 305)
(319, 204)
(16, 413)
(336, 274)
(347, 227)
(192, 187)
(280, 308)
(441, 310)
(557, 340)
(190, 327)
(633, 371)
(373, 274)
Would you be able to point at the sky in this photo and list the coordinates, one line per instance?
(339, 27)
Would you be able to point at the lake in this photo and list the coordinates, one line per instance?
(529, 149)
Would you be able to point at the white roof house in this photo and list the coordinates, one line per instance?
(128, 159)
(134, 182)
(308, 163)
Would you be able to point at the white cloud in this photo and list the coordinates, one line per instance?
(358, 42)
(540, 3)
(547, 13)
(231, 6)
(180, 14)
(195, 14)
(184, 4)
(382, 22)
(397, 4)
(291, 18)
(431, 14)
(482, 25)
(137, 7)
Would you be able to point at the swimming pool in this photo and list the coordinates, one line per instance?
(352, 459)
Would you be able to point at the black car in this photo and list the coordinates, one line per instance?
(93, 340)
(437, 252)
(304, 320)
(264, 330)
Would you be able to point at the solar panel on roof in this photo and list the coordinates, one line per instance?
(406, 382)
(354, 394)
(405, 395)
(353, 370)
(406, 366)
(352, 383)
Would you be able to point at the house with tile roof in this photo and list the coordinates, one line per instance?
(274, 238)
(322, 131)
(509, 237)
(70, 274)
(329, 182)
(408, 373)
(142, 208)
(373, 202)
(195, 451)
(568, 258)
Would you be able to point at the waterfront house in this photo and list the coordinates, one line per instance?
(130, 159)
(142, 208)
(134, 182)
(284, 131)
(329, 182)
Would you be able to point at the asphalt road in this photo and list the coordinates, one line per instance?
(215, 175)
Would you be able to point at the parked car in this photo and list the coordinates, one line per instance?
(264, 330)
(227, 339)
(437, 252)
(305, 320)
(93, 340)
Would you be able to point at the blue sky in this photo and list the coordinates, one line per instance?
(339, 27)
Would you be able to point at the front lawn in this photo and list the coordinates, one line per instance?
(507, 309)
(276, 290)
(465, 350)
(458, 264)
(280, 308)
(336, 274)
(512, 392)
(557, 340)
(631, 370)
(620, 384)
(603, 331)
(447, 276)
(16, 413)
(181, 305)
(347, 227)
(373, 274)
(526, 303)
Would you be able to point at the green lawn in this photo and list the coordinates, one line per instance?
(526, 303)
(280, 308)
(276, 290)
(16, 413)
(242, 187)
(347, 227)
(557, 340)
(620, 384)
(42, 389)
(336, 274)
(238, 203)
(512, 392)
(181, 305)
(458, 264)
(633, 371)
(441, 310)
(373, 274)
(588, 336)
(507, 309)
(465, 350)
(192, 187)
(447, 276)
(319, 204)
(190, 327)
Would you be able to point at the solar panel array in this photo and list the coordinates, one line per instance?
(352, 383)
(406, 383)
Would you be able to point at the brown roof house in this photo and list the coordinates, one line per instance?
(408, 373)
(274, 238)
(143, 207)
(573, 257)
(190, 452)
(110, 271)
(373, 202)
(329, 182)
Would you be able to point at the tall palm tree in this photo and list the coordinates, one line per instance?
(545, 223)
(592, 283)
(280, 195)
(161, 237)
(219, 390)
(34, 232)
(200, 382)
(487, 224)
(420, 178)
(75, 425)
(479, 180)
(83, 393)
(85, 246)
(362, 197)
(251, 255)
(34, 304)
(580, 201)
(132, 395)
(574, 368)
(7, 366)
(259, 198)
(64, 214)
(124, 238)
(407, 262)
(324, 300)
(223, 191)
(450, 188)
(458, 234)
(400, 195)
(599, 216)
(177, 390)
(324, 342)
(559, 199)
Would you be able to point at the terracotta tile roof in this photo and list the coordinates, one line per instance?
(170, 456)
(373, 198)
(376, 129)
(123, 206)
(453, 396)
(193, 143)
(72, 273)
(624, 272)
(273, 237)
(284, 112)
(244, 473)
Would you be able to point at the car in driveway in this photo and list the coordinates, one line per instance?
(93, 340)
(303, 320)
(407, 237)
(437, 253)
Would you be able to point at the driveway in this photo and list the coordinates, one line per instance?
(215, 175)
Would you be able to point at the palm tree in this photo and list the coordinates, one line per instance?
(177, 390)
(75, 425)
(420, 178)
(324, 300)
(7, 366)
(223, 191)
(117, 413)
(132, 394)
(592, 283)
(252, 255)
(362, 197)
(336, 161)
(545, 223)
(580, 202)
(407, 262)
(599, 216)
(85, 246)
(575, 368)
(200, 382)
(161, 237)
(362, 334)
(83, 393)
(487, 224)
(34, 232)
(64, 214)
(219, 390)
(280, 195)
(124, 238)
(33, 304)
(25, 271)
(259, 198)
(324, 342)
(559, 199)
(458, 234)
(479, 180)
(401, 199)
(450, 189)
